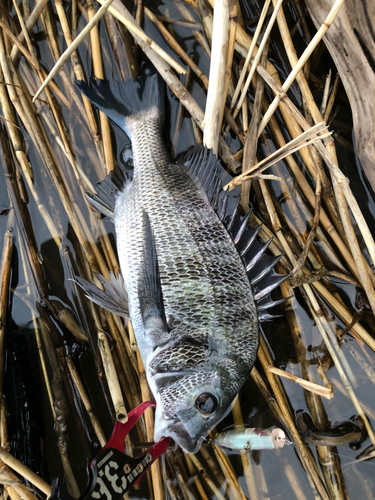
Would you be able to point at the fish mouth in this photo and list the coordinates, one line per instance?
(174, 429)
(179, 435)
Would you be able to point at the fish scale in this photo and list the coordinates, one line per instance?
(204, 256)
(187, 289)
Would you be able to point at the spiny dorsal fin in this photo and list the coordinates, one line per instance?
(208, 174)
(205, 170)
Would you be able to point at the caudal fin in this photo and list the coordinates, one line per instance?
(120, 100)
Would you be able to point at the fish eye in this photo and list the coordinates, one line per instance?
(206, 403)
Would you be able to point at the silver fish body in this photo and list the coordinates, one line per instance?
(189, 297)
(212, 336)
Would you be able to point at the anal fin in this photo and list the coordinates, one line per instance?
(113, 297)
(107, 190)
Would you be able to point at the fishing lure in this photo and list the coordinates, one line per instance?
(249, 439)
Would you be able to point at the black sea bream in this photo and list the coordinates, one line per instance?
(189, 295)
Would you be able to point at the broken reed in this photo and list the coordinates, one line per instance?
(19, 84)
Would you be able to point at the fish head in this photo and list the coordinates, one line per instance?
(190, 403)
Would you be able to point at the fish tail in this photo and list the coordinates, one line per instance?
(121, 100)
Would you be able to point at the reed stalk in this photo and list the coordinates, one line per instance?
(73, 44)
(234, 486)
(211, 464)
(24, 471)
(210, 483)
(30, 23)
(306, 138)
(325, 331)
(324, 392)
(40, 140)
(180, 474)
(341, 180)
(330, 342)
(327, 84)
(251, 138)
(157, 482)
(329, 463)
(306, 190)
(215, 93)
(122, 49)
(303, 59)
(13, 131)
(197, 481)
(257, 59)
(327, 112)
(258, 29)
(5, 275)
(176, 47)
(112, 378)
(86, 109)
(16, 488)
(86, 401)
(137, 32)
(243, 40)
(99, 73)
(128, 370)
(308, 462)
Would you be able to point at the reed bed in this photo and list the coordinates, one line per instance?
(273, 132)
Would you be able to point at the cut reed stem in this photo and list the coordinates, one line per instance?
(72, 47)
(256, 62)
(112, 378)
(215, 93)
(324, 392)
(24, 471)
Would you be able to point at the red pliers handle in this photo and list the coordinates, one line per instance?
(112, 472)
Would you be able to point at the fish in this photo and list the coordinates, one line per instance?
(195, 280)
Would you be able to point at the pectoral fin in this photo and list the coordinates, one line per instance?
(149, 286)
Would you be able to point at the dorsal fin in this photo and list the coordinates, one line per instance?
(208, 174)
(205, 170)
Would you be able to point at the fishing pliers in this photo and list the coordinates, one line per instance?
(111, 471)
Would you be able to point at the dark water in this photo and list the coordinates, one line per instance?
(30, 422)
